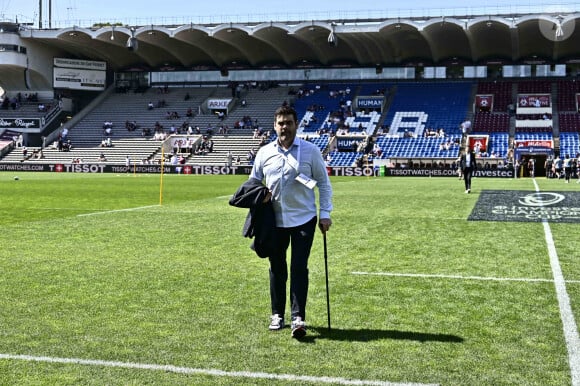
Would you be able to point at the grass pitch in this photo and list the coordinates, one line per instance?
(102, 285)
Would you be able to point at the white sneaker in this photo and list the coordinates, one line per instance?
(276, 322)
(298, 328)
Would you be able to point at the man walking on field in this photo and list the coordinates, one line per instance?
(291, 168)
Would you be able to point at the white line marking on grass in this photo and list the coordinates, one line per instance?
(211, 372)
(566, 314)
(458, 277)
(116, 210)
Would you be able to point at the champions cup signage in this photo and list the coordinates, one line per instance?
(478, 142)
(484, 102)
(20, 123)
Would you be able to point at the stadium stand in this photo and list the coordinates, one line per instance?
(490, 122)
(501, 91)
(569, 144)
(445, 105)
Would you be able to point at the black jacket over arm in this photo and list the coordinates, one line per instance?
(260, 222)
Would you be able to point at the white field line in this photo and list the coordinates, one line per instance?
(116, 210)
(459, 277)
(211, 372)
(568, 322)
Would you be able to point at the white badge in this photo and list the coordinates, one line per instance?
(306, 181)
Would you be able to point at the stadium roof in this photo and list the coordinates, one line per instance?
(467, 40)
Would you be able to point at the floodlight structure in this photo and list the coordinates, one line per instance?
(332, 39)
(132, 42)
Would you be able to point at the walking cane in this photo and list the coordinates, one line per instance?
(326, 271)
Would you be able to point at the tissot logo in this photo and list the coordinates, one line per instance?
(500, 205)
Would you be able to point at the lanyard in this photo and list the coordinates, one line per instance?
(296, 168)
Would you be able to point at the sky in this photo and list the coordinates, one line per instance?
(165, 12)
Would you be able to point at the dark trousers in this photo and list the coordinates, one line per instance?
(300, 239)
(467, 174)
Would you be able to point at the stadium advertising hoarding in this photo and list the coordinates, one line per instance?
(348, 143)
(218, 104)
(366, 171)
(21, 123)
(534, 104)
(534, 143)
(79, 74)
(427, 172)
(370, 102)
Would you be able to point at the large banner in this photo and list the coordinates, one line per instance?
(104, 168)
(21, 123)
(370, 102)
(531, 143)
(534, 100)
(79, 74)
(424, 172)
(534, 104)
(478, 142)
(218, 104)
(348, 143)
(367, 171)
(484, 102)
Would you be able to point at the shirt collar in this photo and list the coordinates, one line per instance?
(295, 143)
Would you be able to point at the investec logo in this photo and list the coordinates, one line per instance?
(527, 206)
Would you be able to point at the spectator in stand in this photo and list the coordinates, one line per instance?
(19, 142)
(465, 126)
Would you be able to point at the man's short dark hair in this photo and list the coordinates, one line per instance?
(286, 110)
